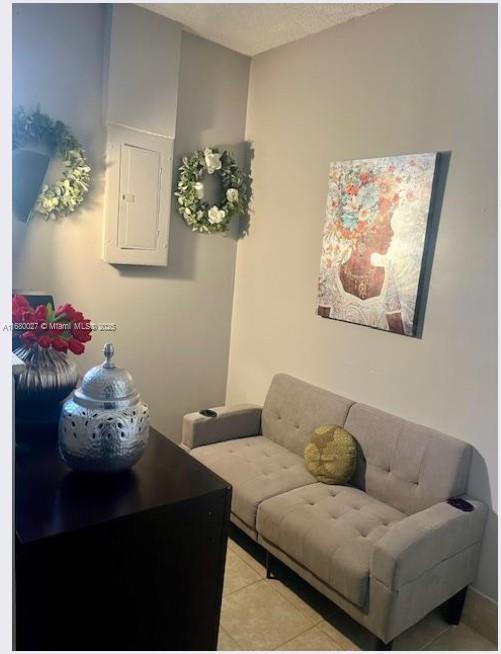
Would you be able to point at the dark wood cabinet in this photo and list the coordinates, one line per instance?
(133, 561)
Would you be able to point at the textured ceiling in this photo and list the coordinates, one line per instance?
(254, 28)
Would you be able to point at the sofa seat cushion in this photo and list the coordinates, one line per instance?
(257, 468)
(331, 531)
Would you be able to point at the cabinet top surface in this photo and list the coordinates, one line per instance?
(50, 499)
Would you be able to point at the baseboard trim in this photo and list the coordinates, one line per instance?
(481, 614)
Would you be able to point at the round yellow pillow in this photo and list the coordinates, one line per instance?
(331, 455)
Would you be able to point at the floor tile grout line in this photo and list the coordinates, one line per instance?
(315, 624)
(299, 608)
(445, 629)
(221, 628)
(263, 570)
(234, 638)
(285, 599)
(277, 580)
(434, 639)
(227, 594)
(242, 558)
(328, 636)
(335, 640)
(297, 636)
(451, 627)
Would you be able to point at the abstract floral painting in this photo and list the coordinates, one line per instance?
(374, 238)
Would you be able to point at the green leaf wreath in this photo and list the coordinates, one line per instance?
(192, 206)
(65, 195)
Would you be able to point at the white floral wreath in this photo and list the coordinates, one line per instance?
(68, 193)
(196, 211)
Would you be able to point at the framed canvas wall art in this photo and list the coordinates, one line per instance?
(377, 229)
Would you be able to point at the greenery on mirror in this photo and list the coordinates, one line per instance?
(67, 193)
(192, 205)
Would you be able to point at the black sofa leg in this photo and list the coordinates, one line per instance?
(269, 563)
(381, 646)
(453, 608)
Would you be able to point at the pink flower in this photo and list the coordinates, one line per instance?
(60, 344)
(29, 338)
(20, 307)
(40, 313)
(67, 310)
(75, 346)
(81, 331)
(44, 341)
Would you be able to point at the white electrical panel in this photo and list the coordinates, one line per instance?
(138, 191)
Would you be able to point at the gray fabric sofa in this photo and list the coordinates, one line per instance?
(387, 548)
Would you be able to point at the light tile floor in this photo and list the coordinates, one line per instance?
(287, 614)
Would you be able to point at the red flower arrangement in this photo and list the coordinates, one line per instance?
(62, 329)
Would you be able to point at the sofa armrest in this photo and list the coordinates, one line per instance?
(231, 422)
(422, 540)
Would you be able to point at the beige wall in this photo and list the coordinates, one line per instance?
(409, 78)
(406, 79)
(174, 323)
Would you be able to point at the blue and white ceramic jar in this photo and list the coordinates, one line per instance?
(104, 426)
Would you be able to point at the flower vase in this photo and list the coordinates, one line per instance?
(47, 379)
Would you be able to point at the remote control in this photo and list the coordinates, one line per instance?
(460, 504)
(208, 413)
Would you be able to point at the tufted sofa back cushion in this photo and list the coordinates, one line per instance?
(404, 464)
(293, 409)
